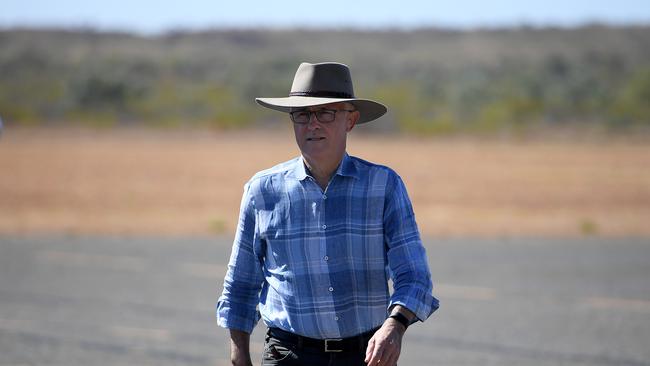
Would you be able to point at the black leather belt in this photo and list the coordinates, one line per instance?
(356, 344)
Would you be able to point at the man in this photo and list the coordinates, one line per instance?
(318, 238)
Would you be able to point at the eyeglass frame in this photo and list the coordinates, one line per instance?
(314, 113)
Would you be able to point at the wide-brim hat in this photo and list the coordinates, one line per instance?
(324, 83)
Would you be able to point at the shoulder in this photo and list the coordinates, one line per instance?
(264, 179)
(374, 170)
(279, 169)
(365, 164)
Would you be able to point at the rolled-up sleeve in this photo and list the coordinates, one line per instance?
(407, 257)
(237, 305)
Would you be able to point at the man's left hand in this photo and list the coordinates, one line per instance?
(386, 344)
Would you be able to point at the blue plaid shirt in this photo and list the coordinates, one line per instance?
(317, 263)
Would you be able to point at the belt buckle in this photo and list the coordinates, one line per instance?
(327, 345)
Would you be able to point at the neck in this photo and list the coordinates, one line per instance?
(322, 171)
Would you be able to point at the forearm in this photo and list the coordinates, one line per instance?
(240, 348)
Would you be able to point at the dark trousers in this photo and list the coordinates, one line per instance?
(283, 349)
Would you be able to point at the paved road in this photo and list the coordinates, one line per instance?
(150, 301)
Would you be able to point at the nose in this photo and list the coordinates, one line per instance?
(313, 122)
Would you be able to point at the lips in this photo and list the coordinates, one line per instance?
(315, 138)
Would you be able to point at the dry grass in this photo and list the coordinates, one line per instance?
(180, 183)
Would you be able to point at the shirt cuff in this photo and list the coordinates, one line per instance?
(419, 302)
(230, 316)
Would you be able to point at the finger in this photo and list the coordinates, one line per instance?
(389, 359)
(376, 357)
(397, 351)
(390, 353)
(369, 350)
(383, 356)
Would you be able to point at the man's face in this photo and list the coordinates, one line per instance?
(325, 141)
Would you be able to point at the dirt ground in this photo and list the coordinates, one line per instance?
(187, 183)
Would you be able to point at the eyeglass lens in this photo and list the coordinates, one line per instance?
(322, 115)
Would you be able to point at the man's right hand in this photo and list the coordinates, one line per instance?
(240, 354)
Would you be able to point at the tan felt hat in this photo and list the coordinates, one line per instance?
(323, 83)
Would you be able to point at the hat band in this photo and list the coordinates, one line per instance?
(321, 94)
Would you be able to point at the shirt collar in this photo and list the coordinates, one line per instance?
(299, 169)
(346, 168)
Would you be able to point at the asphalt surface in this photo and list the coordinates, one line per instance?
(150, 301)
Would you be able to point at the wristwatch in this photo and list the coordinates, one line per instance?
(401, 319)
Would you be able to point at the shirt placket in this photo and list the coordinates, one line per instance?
(329, 320)
(323, 246)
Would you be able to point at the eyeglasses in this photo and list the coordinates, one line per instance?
(302, 117)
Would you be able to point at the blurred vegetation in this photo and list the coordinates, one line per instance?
(434, 81)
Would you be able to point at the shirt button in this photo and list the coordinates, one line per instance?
(331, 289)
(324, 226)
(326, 258)
(324, 196)
(336, 318)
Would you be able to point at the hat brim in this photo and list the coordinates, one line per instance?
(369, 110)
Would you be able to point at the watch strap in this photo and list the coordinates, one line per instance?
(401, 319)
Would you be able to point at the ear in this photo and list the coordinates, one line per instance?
(353, 117)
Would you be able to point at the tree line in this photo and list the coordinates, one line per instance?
(435, 81)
